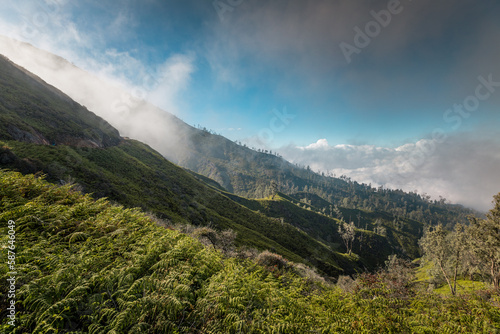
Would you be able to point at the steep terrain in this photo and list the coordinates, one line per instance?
(37, 113)
(240, 170)
(132, 174)
(70, 144)
(86, 266)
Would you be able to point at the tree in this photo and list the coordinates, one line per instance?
(338, 213)
(445, 249)
(485, 242)
(274, 188)
(379, 228)
(348, 233)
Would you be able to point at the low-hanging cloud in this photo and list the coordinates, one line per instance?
(115, 99)
(463, 169)
(114, 84)
(294, 45)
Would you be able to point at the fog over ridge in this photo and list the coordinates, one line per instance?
(460, 169)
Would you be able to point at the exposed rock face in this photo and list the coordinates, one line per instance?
(30, 137)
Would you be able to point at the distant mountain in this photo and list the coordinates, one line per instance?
(238, 169)
(298, 213)
(68, 143)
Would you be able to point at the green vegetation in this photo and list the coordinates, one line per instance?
(400, 235)
(467, 251)
(182, 255)
(32, 111)
(134, 175)
(257, 174)
(463, 287)
(45, 131)
(89, 266)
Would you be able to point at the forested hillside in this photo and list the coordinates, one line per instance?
(132, 174)
(250, 173)
(89, 266)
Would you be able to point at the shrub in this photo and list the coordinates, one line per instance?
(272, 261)
(346, 284)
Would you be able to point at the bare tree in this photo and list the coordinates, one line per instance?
(348, 233)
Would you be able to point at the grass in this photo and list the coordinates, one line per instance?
(463, 286)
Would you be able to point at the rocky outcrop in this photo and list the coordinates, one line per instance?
(31, 136)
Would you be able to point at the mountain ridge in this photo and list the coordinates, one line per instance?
(61, 124)
(135, 175)
(216, 157)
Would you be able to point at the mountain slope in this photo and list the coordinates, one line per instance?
(86, 266)
(134, 175)
(37, 113)
(90, 152)
(249, 173)
(238, 169)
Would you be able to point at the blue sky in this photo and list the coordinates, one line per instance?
(232, 65)
(286, 54)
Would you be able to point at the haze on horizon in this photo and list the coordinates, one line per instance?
(403, 94)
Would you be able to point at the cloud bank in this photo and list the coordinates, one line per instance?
(462, 169)
(118, 102)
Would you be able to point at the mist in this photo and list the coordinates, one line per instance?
(121, 104)
(459, 169)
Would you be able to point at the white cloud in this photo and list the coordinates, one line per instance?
(112, 83)
(173, 78)
(106, 95)
(464, 168)
(321, 143)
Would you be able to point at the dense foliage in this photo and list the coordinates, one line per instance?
(249, 173)
(472, 250)
(134, 175)
(88, 266)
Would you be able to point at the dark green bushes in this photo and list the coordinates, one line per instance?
(86, 266)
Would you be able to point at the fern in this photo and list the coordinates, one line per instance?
(86, 266)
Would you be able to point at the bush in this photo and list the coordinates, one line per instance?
(223, 241)
(272, 261)
(346, 284)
